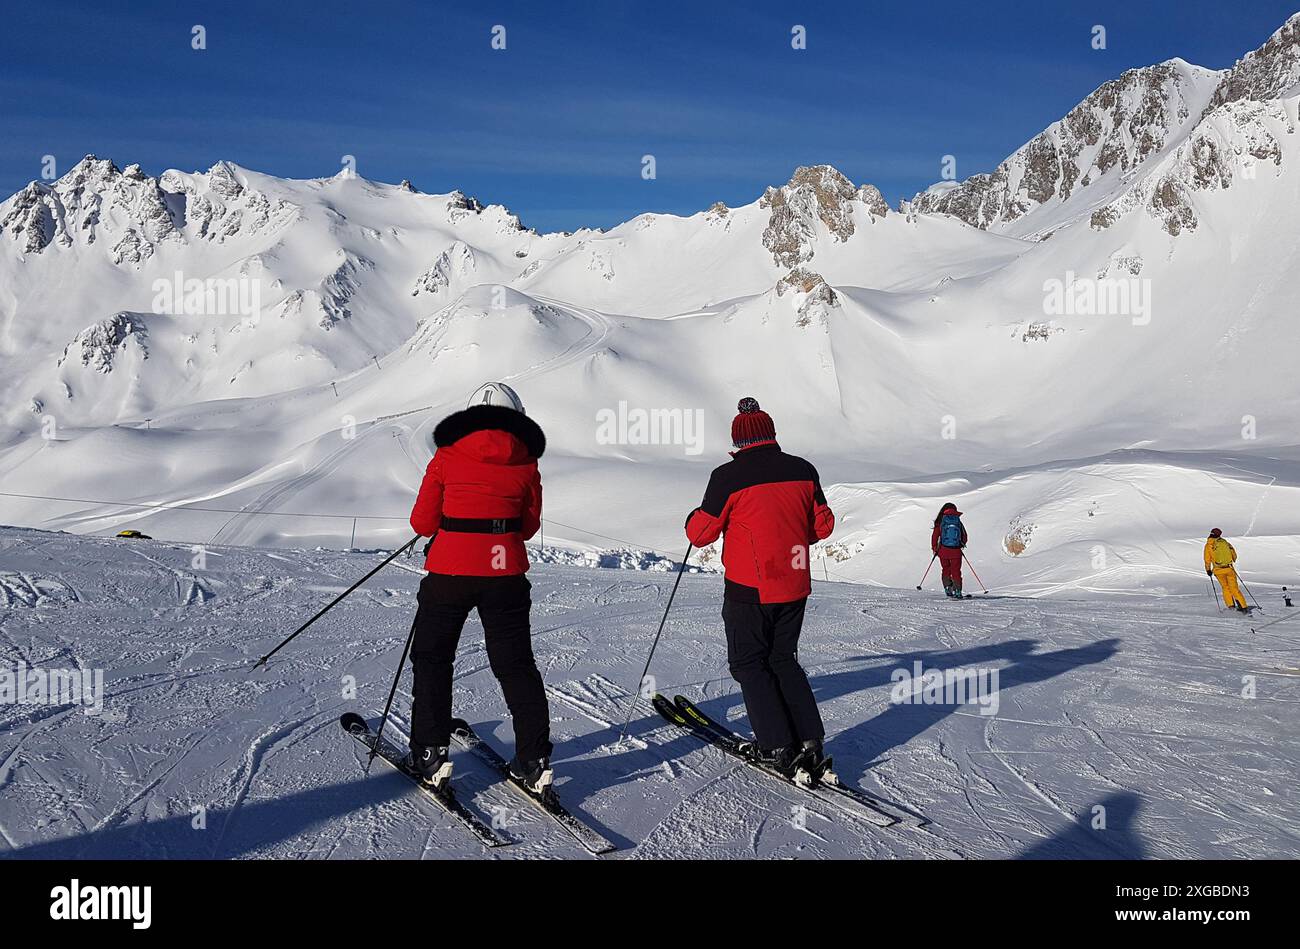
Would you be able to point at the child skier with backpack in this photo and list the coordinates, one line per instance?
(946, 541)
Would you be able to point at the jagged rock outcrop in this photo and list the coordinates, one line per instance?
(1231, 144)
(30, 220)
(93, 196)
(135, 213)
(1120, 125)
(875, 201)
(817, 194)
(454, 263)
(340, 286)
(1270, 72)
(218, 206)
(101, 343)
(813, 297)
(461, 206)
(332, 297)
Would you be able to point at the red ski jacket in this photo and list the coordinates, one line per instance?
(484, 468)
(771, 508)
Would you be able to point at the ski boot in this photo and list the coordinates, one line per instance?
(432, 765)
(780, 759)
(956, 592)
(535, 776)
(947, 588)
(784, 760)
(812, 766)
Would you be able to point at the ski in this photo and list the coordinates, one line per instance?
(859, 799)
(683, 713)
(549, 804)
(357, 727)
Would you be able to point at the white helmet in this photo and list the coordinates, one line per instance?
(496, 393)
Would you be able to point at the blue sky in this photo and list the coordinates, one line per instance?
(555, 125)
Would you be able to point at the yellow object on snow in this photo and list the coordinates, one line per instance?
(1227, 578)
(1219, 553)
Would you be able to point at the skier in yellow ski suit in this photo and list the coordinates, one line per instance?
(1219, 558)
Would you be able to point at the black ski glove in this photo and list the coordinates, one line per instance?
(688, 518)
(1209, 572)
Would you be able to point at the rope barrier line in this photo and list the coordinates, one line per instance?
(189, 506)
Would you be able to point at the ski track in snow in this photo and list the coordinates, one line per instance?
(1130, 708)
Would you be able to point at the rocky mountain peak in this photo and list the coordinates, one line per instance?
(1270, 72)
(817, 193)
(1117, 127)
(223, 181)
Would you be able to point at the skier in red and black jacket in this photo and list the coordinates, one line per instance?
(771, 509)
(481, 498)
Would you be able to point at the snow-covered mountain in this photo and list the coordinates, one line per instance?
(1111, 307)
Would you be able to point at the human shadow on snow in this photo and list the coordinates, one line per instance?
(1017, 662)
(899, 723)
(606, 763)
(250, 829)
(1117, 839)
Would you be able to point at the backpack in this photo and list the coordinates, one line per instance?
(1221, 552)
(950, 531)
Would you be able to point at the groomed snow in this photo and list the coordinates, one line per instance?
(1134, 705)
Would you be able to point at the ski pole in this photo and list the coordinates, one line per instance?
(641, 682)
(1274, 622)
(383, 719)
(1214, 596)
(262, 662)
(927, 570)
(1249, 594)
(972, 570)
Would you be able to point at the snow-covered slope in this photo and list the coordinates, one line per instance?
(1135, 707)
(240, 358)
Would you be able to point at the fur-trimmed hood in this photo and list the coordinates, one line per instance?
(480, 418)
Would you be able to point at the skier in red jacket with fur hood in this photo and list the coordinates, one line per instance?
(481, 498)
(771, 508)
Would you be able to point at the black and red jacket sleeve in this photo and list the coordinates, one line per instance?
(707, 522)
(823, 518)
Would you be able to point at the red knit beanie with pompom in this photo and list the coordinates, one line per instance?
(752, 425)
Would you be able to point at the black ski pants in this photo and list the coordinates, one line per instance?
(762, 640)
(503, 605)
